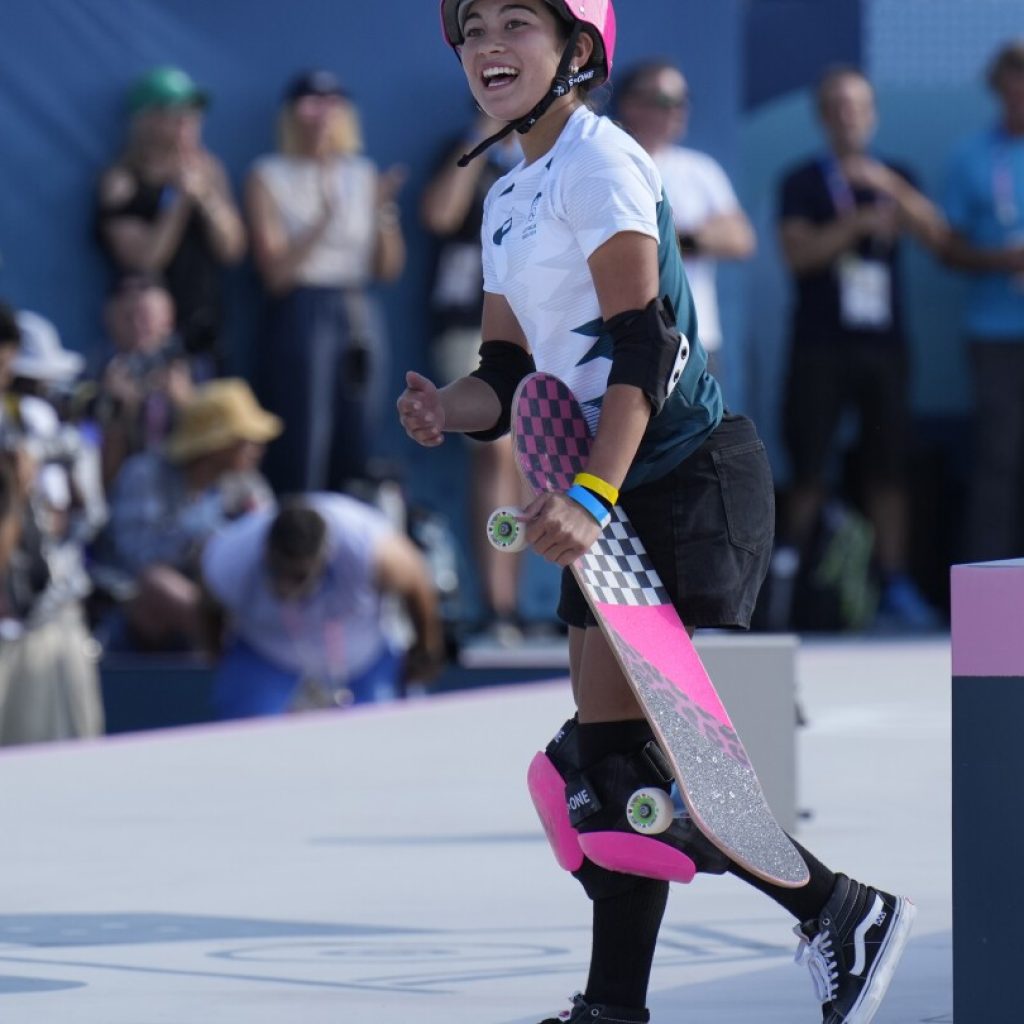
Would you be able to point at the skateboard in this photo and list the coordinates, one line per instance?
(716, 780)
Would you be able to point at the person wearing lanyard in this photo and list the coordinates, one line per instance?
(842, 218)
(984, 201)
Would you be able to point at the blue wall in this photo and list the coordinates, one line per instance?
(66, 65)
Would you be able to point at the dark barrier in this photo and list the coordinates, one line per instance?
(988, 765)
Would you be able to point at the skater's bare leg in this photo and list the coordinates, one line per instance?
(601, 690)
(576, 638)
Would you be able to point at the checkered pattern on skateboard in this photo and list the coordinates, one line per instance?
(553, 443)
(551, 434)
(618, 570)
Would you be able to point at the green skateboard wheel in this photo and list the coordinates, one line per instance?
(505, 531)
(650, 811)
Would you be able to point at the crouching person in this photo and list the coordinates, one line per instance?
(296, 602)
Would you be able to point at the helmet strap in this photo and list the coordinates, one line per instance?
(564, 82)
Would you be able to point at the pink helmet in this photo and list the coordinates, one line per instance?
(597, 17)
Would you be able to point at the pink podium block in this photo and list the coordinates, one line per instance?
(988, 618)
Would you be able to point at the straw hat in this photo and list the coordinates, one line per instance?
(222, 413)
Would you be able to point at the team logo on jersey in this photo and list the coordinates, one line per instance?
(531, 221)
(499, 235)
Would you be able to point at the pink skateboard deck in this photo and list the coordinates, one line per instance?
(713, 773)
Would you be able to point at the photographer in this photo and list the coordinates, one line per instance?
(49, 684)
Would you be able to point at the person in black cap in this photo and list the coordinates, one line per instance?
(165, 206)
(324, 228)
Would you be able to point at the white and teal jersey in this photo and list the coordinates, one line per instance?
(542, 222)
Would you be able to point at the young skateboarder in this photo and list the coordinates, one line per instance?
(583, 279)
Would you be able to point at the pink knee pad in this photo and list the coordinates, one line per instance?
(547, 789)
(635, 854)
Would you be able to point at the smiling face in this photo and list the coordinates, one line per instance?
(510, 53)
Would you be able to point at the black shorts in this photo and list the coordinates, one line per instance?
(827, 380)
(708, 527)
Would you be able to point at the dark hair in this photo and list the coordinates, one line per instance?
(10, 332)
(297, 533)
(1008, 60)
(628, 83)
(833, 73)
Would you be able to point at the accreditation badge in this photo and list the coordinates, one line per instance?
(865, 294)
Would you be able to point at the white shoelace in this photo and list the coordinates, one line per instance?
(817, 955)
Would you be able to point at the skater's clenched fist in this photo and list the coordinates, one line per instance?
(558, 529)
(420, 410)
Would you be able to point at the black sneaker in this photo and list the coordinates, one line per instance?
(852, 949)
(582, 1012)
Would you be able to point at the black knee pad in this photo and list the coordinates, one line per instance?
(556, 771)
(626, 820)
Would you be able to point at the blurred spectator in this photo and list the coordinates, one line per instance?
(165, 207)
(164, 506)
(324, 227)
(144, 383)
(49, 683)
(985, 206)
(68, 478)
(843, 215)
(10, 522)
(654, 106)
(297, 596)
(452, 210)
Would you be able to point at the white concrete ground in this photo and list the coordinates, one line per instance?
(385, 866)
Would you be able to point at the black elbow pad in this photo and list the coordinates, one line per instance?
(648, 351)
(503, 365)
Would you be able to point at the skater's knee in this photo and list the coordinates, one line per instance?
(615, 821)
(547, 790)
(546, 781)
(627, 821)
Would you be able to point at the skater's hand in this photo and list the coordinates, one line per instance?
(558, 529)
(420, 411)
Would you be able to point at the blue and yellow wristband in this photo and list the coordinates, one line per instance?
(585, 499)
(608, 494)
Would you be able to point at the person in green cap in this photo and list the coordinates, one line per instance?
(165, 207)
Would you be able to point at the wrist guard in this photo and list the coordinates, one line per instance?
(503, 365)
(648, 352)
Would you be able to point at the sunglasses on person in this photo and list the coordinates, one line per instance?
(662, 101)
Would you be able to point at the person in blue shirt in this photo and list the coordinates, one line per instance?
(984, 203)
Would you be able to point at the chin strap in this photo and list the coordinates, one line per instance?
(562, 85)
